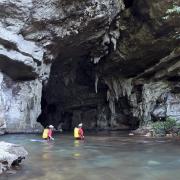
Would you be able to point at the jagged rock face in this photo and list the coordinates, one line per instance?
(103, 63)
(148, 56)
(167, 105)
(149, 32)
(20, 105)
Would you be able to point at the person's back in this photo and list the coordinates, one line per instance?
(76, 133)
(45, 133)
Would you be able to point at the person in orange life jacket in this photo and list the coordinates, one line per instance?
(50, 131)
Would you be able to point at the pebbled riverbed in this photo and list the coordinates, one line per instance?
(103, 156)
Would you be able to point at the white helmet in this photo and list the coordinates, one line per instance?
(51, 126)
(80, 125)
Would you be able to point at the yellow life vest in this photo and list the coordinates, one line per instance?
(76, 134)
(45, 134)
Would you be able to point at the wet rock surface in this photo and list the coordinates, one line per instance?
(10, 155)
(104, 63)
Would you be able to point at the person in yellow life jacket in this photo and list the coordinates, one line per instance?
(78, 132)
(47, 133)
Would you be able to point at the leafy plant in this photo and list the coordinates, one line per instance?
(164, 127)
(158, 128)
(169, 124)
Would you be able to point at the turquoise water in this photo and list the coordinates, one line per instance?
(99, 157)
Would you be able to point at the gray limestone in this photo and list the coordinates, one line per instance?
(9, 154)
(53, 53)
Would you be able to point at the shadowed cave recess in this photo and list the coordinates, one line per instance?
(70, 97)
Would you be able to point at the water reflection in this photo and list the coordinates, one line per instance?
(76, 143)
(76, 154)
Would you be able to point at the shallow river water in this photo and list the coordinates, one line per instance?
(100, 157)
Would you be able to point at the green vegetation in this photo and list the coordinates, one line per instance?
(169, 126)
(175, 9)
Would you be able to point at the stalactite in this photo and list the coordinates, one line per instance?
(126, 85)
(96, 59)
(114, 37)
(119, 87)
(96, 83)
(112, 107)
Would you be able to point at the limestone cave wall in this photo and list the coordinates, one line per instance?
(111, 64)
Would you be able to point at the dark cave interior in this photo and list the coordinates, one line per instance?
(69, 98)
(128, 3)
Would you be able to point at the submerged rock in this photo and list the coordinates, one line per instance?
(10, 155)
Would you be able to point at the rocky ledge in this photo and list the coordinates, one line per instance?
(10, 155)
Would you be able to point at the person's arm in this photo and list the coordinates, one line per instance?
(50, 134)
(81, 133)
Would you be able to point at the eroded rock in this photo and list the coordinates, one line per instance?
(10, 154)
(20, 105)
(167, 106)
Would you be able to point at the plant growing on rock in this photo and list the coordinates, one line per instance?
(161, 128)
(169, 124)
(158, 128)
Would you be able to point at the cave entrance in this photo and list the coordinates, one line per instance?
(69, 98)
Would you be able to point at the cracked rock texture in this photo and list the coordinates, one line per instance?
(10, 154)
(111, 64)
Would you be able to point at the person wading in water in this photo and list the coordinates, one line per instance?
(78, 132)
(47, 133)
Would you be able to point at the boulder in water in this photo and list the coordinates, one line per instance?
(10, 155)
